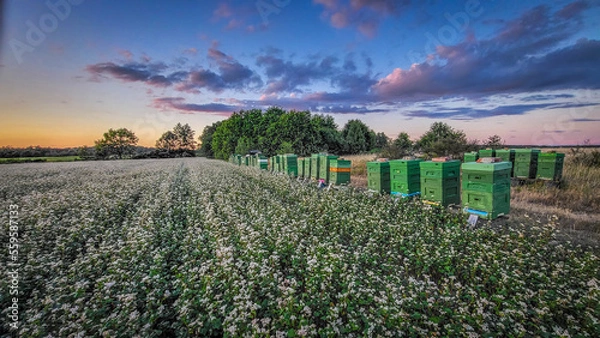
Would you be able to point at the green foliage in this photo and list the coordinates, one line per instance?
(399, 148)
(179, 142)
(268, 131)
(285, 148)
(494, 142)
(117, 142)
(358, 137)
(206, 138)
(442, 140)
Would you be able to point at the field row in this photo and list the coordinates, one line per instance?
(193, 247)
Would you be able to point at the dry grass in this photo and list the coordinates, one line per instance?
(359, 168)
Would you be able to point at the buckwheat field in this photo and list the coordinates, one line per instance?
(195, 247)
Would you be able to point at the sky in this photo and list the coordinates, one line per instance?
(528, 71)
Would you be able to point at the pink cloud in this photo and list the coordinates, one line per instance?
(223, 11)
(126, 53)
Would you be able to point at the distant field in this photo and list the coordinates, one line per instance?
(39, 159)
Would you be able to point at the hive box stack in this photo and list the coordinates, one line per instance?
(471, 157)
(307, 167)
(550, 166)
(246, 160)
(324, 163)
(314, 166)
(339, 171)
(300, 167)
(487, 153)
(526, 163)
(440, 182)
(486, 188)
(378, 176)
(507, 155)
(405, 177)
(263, 162)
(290, 166)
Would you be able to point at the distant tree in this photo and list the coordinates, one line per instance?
(381, 140)
(285, 148)
(244, 145)
(358, 137)
(205, 140)
(86, 152)
(494, 142)
(400, 147)
(167, 143)
(186, 142)
(117, 142)
(442, 140)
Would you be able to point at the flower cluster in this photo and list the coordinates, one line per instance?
(193, 247)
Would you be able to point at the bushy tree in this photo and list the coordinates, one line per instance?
(119, 142)
(205, 140)
(442, 140)
(494, 142)
(167, 143)
(179, 142)
(400, 147)
(358, 137)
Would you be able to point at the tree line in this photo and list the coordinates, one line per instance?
(273, 131)
(276, 131)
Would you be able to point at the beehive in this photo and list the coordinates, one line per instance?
(440, 182)
(314, 166)
(526, 163)
(486, 188)
(405, 177)
(324, 163)
(339, 171)
(507, 155)
(487, 153)
(290, 166)
(550, 166)
(471, 157)
(378, 176)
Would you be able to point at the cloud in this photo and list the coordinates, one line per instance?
(179, 103)
(363, 15)
(530, 53)
(475, 113)
(584, 120)
(230, 74)
(149, 73)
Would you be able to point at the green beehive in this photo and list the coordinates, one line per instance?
(507, 155)
(339, 171)
(550, 166)
(314, 166)
(471, 157)
(440, 182)
(324, 163)
(405, 177)
(487, 153)
(290, 166)
(300, 167)
(263, 162)
(526, 163)
(378, 176)
(307, 167)
(486, 188)
(238, 159)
